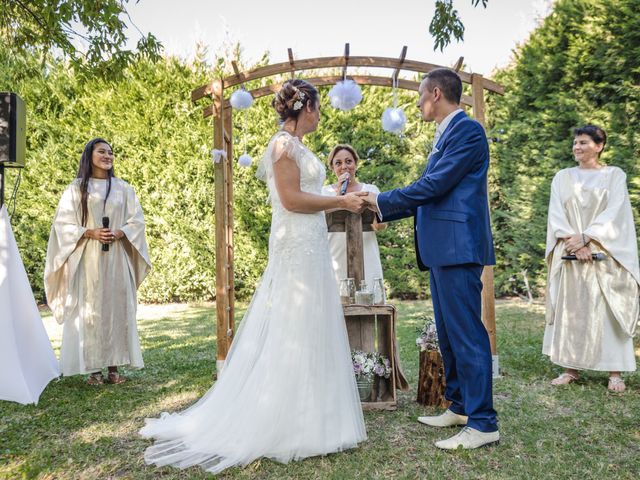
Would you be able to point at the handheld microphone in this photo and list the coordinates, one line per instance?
(594, 256)
(343, 187)
(105, 224)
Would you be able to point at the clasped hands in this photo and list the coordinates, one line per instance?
(358, 202)
(577, 245)
(104, 235)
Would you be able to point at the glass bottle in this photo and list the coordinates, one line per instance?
(379, 295)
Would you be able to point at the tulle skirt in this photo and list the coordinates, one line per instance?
(287, 390)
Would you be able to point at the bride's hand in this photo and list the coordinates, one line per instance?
(354, 202)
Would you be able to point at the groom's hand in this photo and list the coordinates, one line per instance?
(371, 201)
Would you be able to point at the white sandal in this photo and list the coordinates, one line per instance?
(616, 382)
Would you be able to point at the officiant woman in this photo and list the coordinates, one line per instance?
(96, 259)
(592, 305)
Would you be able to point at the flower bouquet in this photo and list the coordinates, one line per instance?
(366, 366)
(428, 336)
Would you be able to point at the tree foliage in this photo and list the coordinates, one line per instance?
(581, 65)
(40, 26)
(446, 23)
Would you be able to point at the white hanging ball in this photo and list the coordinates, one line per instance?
(345, 95)
(241, 99)
(393, 120)
(245, 160)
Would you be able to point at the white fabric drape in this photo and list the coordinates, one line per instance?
(27, 359)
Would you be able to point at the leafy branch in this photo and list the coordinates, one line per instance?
(92, 34)
(446, 23)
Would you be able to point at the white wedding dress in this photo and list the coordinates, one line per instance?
(287, 390)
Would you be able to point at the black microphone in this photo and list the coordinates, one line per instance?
(105, 224)
(594, 256)
(343, 187)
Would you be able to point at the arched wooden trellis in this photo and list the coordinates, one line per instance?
(222, 140)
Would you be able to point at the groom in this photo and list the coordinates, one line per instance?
(453, 240)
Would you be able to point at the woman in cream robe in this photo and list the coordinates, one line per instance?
(92, 292)
(592, 306)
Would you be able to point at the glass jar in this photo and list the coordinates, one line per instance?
(347, 291)
(364, 296)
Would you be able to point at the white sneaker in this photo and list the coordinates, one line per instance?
(447, 419)
(469, 438)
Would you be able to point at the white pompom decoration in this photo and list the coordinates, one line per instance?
(241, 99)
(245, 160)
(345, 95)
(393, 120)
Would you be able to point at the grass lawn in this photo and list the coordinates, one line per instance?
(83, 432)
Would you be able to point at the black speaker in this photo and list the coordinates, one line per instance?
(13, 140)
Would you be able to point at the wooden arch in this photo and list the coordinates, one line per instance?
(222, 112)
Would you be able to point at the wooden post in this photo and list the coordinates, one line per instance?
(222, 250)
(228, 140)
(488, 295)
(355, 256)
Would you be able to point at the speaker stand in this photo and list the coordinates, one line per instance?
(1, 185)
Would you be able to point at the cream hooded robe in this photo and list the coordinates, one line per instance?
(592, 308)
(91, 292)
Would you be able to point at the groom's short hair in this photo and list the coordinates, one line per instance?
(447, 81)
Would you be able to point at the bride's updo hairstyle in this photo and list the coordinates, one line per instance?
(293, 97)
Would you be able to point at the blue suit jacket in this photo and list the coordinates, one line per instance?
(449, 201)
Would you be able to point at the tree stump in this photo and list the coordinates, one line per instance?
(431, 381)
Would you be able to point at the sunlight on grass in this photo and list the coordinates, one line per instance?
(83, 432)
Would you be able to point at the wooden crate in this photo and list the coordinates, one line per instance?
(366, 327)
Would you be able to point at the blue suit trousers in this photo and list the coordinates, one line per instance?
(464, 343)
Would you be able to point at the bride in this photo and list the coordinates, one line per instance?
(287, 390)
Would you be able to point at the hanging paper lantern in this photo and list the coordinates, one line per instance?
(245, 160)
(241, 99)
(393, 120)
(345, 95)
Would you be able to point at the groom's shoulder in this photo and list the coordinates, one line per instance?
(470, 123)
(467, 126)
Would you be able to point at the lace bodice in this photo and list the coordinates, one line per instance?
(312, 170)
(300, 237)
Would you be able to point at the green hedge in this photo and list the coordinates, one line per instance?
(162, 146)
